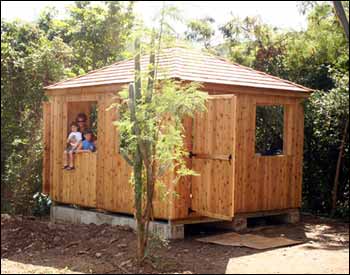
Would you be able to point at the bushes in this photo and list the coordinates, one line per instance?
(325, 117)
(37, 54)
(28, 62)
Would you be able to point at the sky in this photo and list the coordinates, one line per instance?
(282, 14)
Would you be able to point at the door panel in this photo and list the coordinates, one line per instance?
(212, 158)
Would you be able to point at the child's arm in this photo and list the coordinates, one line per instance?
(80, 145)
(68, 138)
(77, 145)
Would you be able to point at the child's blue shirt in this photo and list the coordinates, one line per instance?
(88, 145)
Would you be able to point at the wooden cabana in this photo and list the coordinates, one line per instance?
(234, 178)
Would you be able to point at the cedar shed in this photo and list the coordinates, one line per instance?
(234, 179)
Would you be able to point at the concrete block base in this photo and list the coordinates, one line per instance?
(238, 224)
(293, 216)
(164, 230)
(240, 221)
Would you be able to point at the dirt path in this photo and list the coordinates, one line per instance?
(326, 252)
(38, 246)
(12, 267)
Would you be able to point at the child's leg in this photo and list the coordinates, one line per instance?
(71, 158)
(65, 162)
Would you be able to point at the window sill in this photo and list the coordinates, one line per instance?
(84, 152)
(270, 156)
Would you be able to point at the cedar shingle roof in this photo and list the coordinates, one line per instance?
(184, 64)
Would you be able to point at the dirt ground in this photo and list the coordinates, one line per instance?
(35, 246)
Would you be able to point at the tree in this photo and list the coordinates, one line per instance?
(52, 26)
(151, 132)
(99, 33)
(29, 61)
(300, 56)
(325, 119)
(345, 23)
(255, 44)
(201, 31)
(339, 9)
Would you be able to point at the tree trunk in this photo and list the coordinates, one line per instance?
(138, 206)
(134, 98)
(337, 172)
(137, 169)
(339, 9)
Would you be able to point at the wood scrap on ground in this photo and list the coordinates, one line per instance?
(250, 240)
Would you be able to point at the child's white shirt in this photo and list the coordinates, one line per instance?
(77, 135)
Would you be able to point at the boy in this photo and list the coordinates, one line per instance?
(88, 143)
(73, 141)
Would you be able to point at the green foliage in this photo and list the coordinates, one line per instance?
(201, 30)
(252, 43)
(93, 119)
(163, 128)
(28, 62)
(37, 54)
(322, 46)
(326, 114)
(98, 33)
(150, 119)
(300, 56)
(42, 204)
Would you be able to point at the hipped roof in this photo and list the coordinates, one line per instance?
(187, 65)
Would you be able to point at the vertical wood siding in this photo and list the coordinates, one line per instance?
(268, 182)
(247, 183)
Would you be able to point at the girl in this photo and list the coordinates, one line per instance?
(73, 141)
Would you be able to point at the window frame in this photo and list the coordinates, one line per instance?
(285, 139)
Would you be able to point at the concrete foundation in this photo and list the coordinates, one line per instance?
(239, 223)
(293, 216)
(164, 230)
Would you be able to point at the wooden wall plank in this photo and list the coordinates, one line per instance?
(47, 147)
(56, 134)
(80, 184)
(267, 182)
(101, 148)
(181, 203)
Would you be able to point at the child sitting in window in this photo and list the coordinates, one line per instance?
(88, 143)
(73, 141)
